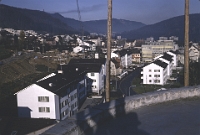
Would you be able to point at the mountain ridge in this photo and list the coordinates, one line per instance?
(40, 21)
(170, 27)
(100, 26)
(26, 19)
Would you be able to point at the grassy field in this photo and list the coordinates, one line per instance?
(143, 88)
(4, 53)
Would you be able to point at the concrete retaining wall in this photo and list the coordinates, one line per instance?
(91, 117)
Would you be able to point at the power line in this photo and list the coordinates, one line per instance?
(79, 17)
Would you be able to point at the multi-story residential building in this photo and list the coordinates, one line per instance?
(174, 57)
(115, 68)
(147, 54)
(153, 49)
(194, 52)
(167, 59)
(55, 96)
(125, 57)
(136, 56)
(96, 70)
(155, 73)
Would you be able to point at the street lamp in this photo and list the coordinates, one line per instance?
(132, 86)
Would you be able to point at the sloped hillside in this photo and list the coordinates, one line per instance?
(19, 68)
(17, 18)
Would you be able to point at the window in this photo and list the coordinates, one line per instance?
(157, 81)
(64, 103)
(157, 70)
(92, 74)
(149, 80)
(72, 106)
(75, 95)
(149, 70)
(72, 97)
(149, 75)
(44, 109)
(43, 99)
(75, 104)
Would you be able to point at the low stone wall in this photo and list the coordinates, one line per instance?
(91, 117)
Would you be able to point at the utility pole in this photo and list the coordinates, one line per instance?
(109, 38)
(186, 45)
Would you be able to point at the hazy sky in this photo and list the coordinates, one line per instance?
(145, 11)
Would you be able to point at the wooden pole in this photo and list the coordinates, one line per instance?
(109, 39)
(186, 45)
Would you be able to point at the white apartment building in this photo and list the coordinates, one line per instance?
(125, 57)
(96, 71)
(155, 73)
(174, 57)
(53, 97)
(97, 76)
(167, 59)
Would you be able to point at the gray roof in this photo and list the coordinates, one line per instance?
(59, 83)
(87, 61)
(123, 52)
(160, 63)
(167, 57)
(88, 65)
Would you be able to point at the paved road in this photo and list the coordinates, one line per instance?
(180, 117)
(126, 82)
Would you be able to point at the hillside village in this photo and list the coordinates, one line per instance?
(80, 74)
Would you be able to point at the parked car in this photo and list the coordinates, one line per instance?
(161, 89)
(122, 75)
